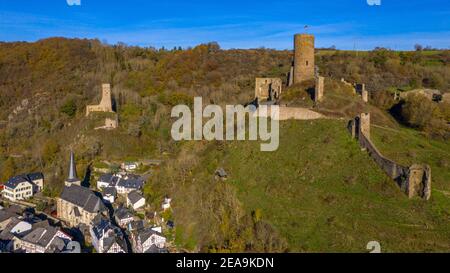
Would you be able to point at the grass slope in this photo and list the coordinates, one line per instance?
(322, 193)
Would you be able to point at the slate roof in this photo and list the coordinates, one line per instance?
(15, 209)
(122, 213)
(41, 236)
(155, 249)
(131, 183)
(109, 242)
(105, 177)
(6, 234)
(113, 234)
(5, 215)
(109, 191)
(136, 225)
(84, 198)
(13, 182)
(134, 197)
(146, 233)
(110, 179)
(57, 246)
(35, 176)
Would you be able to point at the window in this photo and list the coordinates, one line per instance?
(307, 63)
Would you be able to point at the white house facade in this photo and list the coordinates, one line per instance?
(22, 187)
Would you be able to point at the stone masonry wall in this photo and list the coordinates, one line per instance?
(413, 181)
(304, 64)
(318, 94)
(266, 87)
(105, 103)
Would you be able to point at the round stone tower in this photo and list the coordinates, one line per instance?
(303, 57)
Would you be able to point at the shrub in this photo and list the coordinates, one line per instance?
(69, 108)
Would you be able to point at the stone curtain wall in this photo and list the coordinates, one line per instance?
(413, 181)
(389, 167)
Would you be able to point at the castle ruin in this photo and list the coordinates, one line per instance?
(105, 103)
(304, 64)
(110, 124)
(414, 180)
(360, 89)
(318, 94)
(268, 89)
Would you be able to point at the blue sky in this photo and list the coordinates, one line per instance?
(347, 24)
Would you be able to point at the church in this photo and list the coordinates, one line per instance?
(77, 204)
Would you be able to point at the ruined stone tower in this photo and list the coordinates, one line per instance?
(303, 57)
(360, 88)
(364, 124)
(105, 103)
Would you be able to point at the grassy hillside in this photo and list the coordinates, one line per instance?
(319, 192)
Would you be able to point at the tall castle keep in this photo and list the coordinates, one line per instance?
(303, 58)
(105, 104)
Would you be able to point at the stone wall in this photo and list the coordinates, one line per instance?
(304, 64)
(110, 124)
(65, 213)
(268, 88)
(361, 90)
(105, 103)
(413, 181)
(318, 92)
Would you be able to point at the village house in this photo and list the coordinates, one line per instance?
(148, 241)
(43, 240)
(124, 183)
(22, 187)
(5, 218)
(30, 234)
(135, 200)
(107, 238)
(109, 195)
(123, 216)
(135, 225)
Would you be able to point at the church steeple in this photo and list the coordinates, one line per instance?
(72, 178)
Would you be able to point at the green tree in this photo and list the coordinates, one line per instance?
(8, 169)
(69, 108)
(418, 111)
(51, 148)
